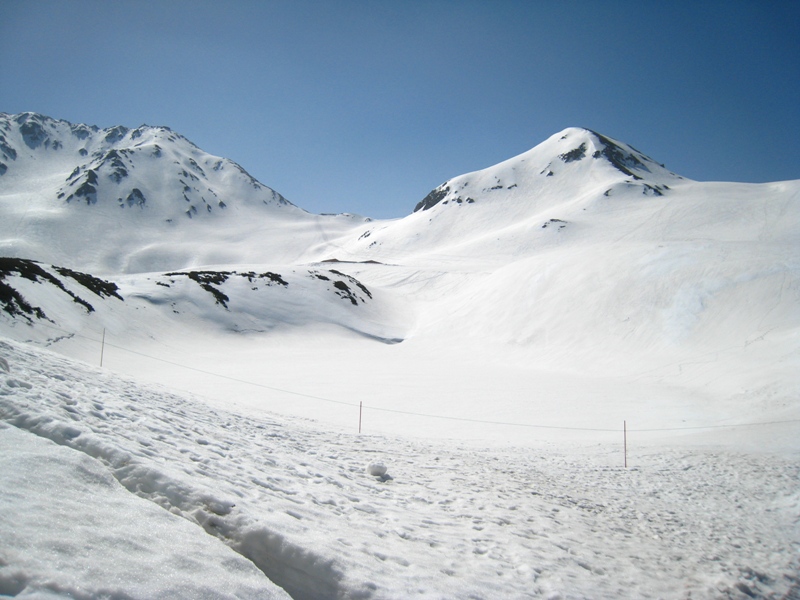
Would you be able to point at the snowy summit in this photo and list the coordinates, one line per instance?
(573, 374)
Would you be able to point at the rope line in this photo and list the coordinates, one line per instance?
(411, 413)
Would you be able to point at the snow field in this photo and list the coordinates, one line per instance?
(451, 519)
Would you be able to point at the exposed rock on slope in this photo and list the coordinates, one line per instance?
(124, 167)
(44, 297)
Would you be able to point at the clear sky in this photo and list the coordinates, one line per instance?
(365, 105)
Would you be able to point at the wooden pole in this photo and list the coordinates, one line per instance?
(625, 441)
(103, 347)
(360, 409)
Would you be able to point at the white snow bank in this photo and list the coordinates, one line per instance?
(69, 529)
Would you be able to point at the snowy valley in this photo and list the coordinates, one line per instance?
(197, 379)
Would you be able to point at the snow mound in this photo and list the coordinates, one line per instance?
(377, 469)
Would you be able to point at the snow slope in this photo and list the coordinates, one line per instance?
(445, 520)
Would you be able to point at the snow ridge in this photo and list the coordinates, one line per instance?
(240, 301)
(15, 304)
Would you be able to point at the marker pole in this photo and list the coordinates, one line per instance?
(625, 441)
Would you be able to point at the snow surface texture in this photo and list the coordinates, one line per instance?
(452, 521)
(516, 320)
(69, 528)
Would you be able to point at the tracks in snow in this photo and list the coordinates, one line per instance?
(454, 520)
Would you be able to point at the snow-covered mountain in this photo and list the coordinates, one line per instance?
(112, 167)
(576, 255)
(122, 200)
(516, 206)
(585, 255)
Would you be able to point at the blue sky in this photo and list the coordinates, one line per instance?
(364, 106)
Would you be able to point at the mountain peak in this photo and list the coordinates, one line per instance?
(573, 154)
(152, 168)
(625, 158)
(146, 188)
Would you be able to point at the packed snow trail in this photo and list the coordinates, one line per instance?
(447, 520)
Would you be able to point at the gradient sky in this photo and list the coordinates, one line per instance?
(365, 106)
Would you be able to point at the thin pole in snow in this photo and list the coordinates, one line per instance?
(360, 407)
(625, 441)
(103, 347)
